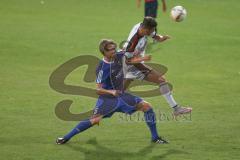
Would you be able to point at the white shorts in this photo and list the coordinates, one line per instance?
(131, 72)
(134, 73)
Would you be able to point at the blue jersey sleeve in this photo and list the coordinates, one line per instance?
(99, 77)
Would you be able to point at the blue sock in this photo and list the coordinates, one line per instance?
(151, 122)
(82, 126)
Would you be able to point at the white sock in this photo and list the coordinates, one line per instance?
(165, 91)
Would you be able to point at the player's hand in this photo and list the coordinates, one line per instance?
(138, 59)
(147, 58)
(165, 37)
(115, 92)
(162, 38)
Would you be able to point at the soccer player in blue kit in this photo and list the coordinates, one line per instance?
(112, 97)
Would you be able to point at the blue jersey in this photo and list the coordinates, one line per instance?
(110, 74)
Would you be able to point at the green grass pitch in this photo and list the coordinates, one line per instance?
(202, 57)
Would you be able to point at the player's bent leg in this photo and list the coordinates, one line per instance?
(155, 77)
(82, 126)
(165, 90)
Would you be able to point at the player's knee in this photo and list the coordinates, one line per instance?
(145, 106)
(162, 80)
(95, 120)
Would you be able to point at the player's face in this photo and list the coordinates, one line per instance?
(148, 31)
(110, 51)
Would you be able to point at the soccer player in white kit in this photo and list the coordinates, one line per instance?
(135, 51)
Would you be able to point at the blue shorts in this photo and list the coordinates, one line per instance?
(151, 9)
(108, 105)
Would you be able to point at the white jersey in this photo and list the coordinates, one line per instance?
(136, 44)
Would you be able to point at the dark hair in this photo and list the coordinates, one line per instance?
(149, 23)
(104, 44)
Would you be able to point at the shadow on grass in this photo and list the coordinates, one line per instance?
(169, 152)
(100, 152)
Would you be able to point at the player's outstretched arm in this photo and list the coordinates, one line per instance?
(161, 38)
(138, 59)
(102, 91)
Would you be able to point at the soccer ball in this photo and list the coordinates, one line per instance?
(178, 13)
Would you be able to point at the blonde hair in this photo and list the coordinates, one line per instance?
(104, 43)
